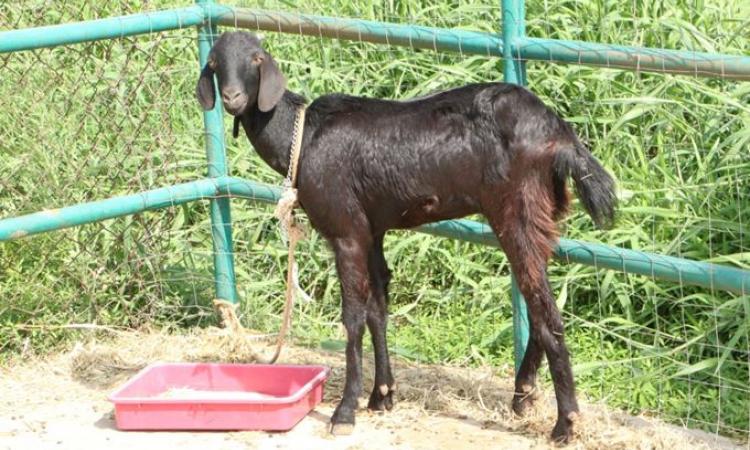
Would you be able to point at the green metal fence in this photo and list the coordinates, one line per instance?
(511, 44)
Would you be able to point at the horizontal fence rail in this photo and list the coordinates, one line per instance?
(455, 40)
(601, 256)
(94, 30)
(634, 58)
(568, 250)
(71, 216)
(438, 39)
(550, 50)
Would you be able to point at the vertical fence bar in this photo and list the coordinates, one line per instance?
(514, 71)
(221, 216)
(520, 323)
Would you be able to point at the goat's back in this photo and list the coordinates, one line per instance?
(390, 157)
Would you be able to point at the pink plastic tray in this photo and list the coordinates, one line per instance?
(218, 397)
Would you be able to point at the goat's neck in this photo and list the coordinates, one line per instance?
(271, 132)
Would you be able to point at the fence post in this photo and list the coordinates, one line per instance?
(221, 217)
(514, 71)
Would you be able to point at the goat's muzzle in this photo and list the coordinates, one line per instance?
(234, 101)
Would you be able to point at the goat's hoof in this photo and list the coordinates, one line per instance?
(563, 431)
(342, 429)
(524, 400)
(381, 398)
(342, 421)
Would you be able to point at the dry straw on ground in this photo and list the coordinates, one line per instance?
(480, 395)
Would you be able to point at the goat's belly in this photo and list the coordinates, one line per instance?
(434, 209)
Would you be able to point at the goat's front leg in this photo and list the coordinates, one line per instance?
(352, 267)
(377, 320)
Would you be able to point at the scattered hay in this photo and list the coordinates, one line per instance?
(99, 368)
(102, 364)
(479, 395)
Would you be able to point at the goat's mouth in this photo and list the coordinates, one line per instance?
(234, 108)
(237, 105)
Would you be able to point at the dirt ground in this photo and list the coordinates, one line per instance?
(61, 402)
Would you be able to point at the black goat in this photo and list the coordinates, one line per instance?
(368, 166)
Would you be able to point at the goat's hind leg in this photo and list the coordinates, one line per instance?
(523, 221)
(377, 320)
(525, 391)
(548, 329)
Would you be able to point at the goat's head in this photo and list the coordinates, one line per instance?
(246, 74)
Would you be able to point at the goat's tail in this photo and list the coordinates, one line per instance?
(594, 186)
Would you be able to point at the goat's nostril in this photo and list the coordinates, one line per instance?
(228, 96)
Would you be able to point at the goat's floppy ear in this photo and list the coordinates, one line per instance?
(272, 84)
(205, 91)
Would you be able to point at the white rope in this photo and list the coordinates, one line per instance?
(292, 232)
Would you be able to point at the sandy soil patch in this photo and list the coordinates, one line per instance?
(60, 402)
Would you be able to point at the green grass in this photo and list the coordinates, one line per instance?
(94, 120)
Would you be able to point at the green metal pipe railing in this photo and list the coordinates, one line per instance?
(550, 50)
(634, 58)
(85, 213)
(668, 268)
(94, 30)
(438, 39)
(221, 214)
(684, 271)
(687, 272)
(464, 41)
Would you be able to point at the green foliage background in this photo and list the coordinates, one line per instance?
(94, 120)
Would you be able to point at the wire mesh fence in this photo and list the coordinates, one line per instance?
(86, 122)
(89, 121)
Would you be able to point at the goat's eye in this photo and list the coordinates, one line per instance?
(212, 63)
(257, 59)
